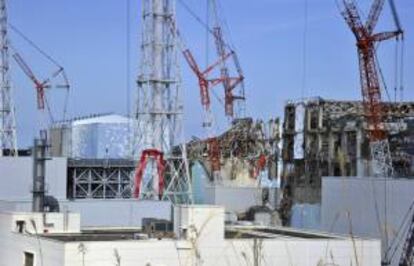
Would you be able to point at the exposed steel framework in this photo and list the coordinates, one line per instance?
(369, 77)
(8, 135)
(159, 107)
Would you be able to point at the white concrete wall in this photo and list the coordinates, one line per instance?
(232, 252)
(177, 253)
(13, 245)
(214, 251)
(375, 206)
(201, 223)
(45, 222)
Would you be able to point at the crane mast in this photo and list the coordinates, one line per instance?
(8, 135)
(369, 78)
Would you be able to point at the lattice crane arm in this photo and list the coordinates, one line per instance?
(383, 36)
(370, 85)
(353, 19)
(39, 85)
(373, 15)
(25, 67)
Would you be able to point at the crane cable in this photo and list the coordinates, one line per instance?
(305, 50)
(201, 22)
(398, 67)
(53, 61)
(402, 54)
(31, 43)
(403, 225)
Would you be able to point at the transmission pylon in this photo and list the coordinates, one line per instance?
(159, 109)
(8, 139)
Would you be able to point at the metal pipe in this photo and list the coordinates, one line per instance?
(39, 169)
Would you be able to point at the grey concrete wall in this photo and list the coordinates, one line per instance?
(16, 176)
(375, 206)
(109, 212)
(234, 199)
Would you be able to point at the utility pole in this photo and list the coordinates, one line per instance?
(159, 109)
(8, 138)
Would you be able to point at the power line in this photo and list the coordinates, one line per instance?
(305, 45)
(200, 21)
(31, 43)
(128, 56)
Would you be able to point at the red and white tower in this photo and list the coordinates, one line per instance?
(159, 110)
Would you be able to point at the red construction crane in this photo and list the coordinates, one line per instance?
(370, 84)
(205, 85)
(229, 83)
(40, 85)
(204, 82)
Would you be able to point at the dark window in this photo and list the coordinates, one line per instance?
(20, 226)
(28, 259)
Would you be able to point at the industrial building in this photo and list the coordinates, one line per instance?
(330, 138)
(110, 189)
(198, 236)
(99, 136)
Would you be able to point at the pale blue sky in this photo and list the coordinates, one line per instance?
(89, 39)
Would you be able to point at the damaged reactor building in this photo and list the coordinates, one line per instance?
(330, 138)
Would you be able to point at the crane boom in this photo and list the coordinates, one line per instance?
(369, 77)
(396, 17)
(39, 85)
(374, 14)
(230, 82)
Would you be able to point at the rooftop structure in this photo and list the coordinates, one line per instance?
(199, 237)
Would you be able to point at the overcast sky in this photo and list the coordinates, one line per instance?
(89, 38)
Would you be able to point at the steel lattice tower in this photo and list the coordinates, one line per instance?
(159, 109)
(8, 139)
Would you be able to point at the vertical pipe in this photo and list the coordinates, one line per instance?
(39, 167)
